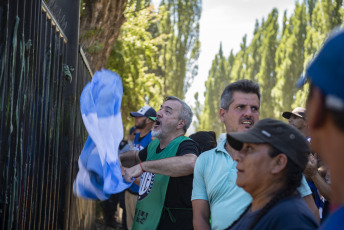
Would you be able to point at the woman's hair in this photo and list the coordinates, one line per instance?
(292, 175)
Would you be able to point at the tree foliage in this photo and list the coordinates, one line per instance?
(275, 58)
(133, 56)
(180, 53)
(155, 52)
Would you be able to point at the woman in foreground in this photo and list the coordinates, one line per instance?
(271, 158)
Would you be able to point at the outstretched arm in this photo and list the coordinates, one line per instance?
(173, 166)
(130, 158)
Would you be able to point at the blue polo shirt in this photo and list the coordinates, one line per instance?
(215, 177)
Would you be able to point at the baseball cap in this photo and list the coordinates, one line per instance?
(145, 111)
(278, 134)
(299, 112)
(326, 71)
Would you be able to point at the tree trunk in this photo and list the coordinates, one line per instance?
(100, 24)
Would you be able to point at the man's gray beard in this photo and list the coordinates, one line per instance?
(156, 134)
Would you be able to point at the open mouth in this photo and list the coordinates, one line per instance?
(247, 122)
(157, 123)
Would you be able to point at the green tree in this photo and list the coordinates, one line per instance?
(198, 108)
(240, 62)
(133, 57)
(217, 80)
(254, 57)
(267, 74)
(275, 58)
(289, 60)
(179, 55)
(323, 16)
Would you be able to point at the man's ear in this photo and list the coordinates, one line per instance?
(222, 113)
(317, 104)
(181, 124)
(279, 163)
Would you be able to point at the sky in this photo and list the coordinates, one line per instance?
(227, 21)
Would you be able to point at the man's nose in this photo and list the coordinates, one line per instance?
(247, 112)
(236, 156)
(159, 113)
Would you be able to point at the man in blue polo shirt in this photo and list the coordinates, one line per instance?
(144, 120)
(215, 194)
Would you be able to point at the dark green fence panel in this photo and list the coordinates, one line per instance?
(42, 74)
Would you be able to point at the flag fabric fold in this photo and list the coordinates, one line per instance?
(99, 173)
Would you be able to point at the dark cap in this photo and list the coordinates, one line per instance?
(280, 135)
(145, 111)
(299, 112)
(326, 71)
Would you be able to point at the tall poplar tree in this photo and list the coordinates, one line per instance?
(179, 55)
(240, 63)
(217, 80)
(289, 60)
(254, 57)
(267, 74)
(323, 16)
(276, 58)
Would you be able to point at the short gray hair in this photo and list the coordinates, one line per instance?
(244, 85)
(186, 112)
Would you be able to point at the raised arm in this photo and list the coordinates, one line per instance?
(130, 158)
(173, 166)
(312, 172)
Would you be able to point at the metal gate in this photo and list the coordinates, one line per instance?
(42, 74)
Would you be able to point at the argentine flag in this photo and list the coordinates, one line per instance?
(99, 173)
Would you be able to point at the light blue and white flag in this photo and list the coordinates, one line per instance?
(99, 173)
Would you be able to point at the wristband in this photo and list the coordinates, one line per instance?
(142, 168)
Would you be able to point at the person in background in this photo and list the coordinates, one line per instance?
(144, 121)
(127, 145)
(205, 139)
(141, 136)
(132, 133)
(271, 158)
(297, 118)
(110, 206)
(325, 114)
